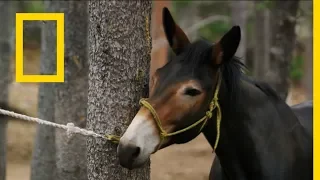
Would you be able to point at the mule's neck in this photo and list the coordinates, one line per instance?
(260, 136)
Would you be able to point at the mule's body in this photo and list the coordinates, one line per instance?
(304, 112)
(261, 137)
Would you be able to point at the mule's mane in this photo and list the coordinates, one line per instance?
(232, 73)
(267, 89)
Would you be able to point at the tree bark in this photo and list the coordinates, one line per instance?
(119, 57)
(43, 165)
(282, 42)
(72, 95)
(5, 53)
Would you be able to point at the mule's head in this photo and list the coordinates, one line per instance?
(180, 93)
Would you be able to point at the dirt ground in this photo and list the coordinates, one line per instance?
(191, 161)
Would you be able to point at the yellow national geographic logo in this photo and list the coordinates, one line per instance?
(59, 76)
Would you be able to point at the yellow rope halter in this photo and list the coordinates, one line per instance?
(213, 104)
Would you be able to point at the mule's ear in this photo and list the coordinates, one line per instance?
(176, 37)
(226, 48)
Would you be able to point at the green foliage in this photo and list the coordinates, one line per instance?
(214, 30)
(181, 4)
(177, 5)
(34, 7)
(263, 5)
(296, 68)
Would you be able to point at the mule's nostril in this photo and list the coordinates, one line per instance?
(128, 154)
(136, 152)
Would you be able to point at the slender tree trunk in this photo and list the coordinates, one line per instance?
(267, 38)
(187, 21)
(5, 53)
(308, 63)
(119, 57)
(283, 14)
(239, 15)
(43, 165)
(21, 6)
(262, 43)
(308, 68)
(71, 97)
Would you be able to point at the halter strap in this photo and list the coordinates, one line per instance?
(214, 104)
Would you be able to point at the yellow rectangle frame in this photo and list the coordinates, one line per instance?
(316, 88)
(59, 76)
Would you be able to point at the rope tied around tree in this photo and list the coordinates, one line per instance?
(69, 127)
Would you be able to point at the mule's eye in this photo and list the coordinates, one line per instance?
(192, 92)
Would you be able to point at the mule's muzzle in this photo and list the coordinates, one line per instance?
(128, 154)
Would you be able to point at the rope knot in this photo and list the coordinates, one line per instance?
(211, 106)
(142, 100)
(163, 134)
(209, 114)
(70, 130)
(113, 138)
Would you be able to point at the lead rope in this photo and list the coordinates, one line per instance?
(219, 116)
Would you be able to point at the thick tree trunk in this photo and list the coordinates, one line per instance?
(43, 165)
(239, 16)
(119, 57)
(5, 53)
(72, 95)
(284, 15)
